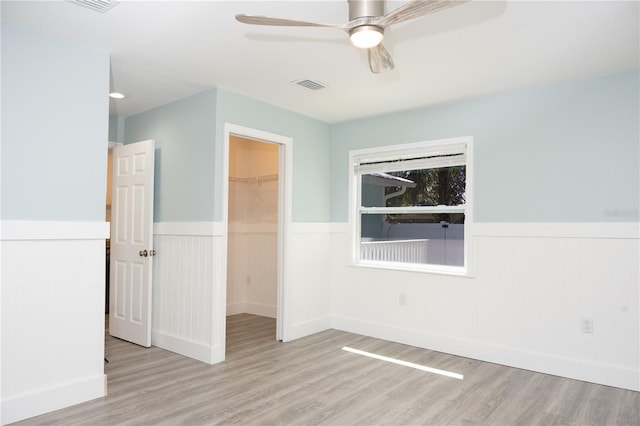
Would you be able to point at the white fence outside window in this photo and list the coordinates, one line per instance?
(404, 251)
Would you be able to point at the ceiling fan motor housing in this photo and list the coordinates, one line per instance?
(360, 8)
(365, 35)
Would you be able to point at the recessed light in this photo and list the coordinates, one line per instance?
(116, 95)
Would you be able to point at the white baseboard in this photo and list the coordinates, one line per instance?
(608, 375)
(260, 309)
(184, 347)
(307, 328)
(217, 354)
(51, 399)
(268, 311)
(235, 308)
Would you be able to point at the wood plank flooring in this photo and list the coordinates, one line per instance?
(312, 381)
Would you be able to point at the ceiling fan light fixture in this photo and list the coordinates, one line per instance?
(366, 36)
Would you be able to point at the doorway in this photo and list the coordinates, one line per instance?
(252, 228)
(256, 195)
(108, 240)
(110, 147)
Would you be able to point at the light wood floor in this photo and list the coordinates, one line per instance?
(313, 381)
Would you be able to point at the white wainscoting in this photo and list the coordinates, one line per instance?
(532, 286)
(308, 296)
(190, 287)
(52, 317)
(307, 292)
(183, 277)
(252, 270)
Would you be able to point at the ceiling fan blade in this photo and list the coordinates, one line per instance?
(379, 59)
(415, 9)
(279, 22)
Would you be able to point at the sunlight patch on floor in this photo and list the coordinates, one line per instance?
(405, 363)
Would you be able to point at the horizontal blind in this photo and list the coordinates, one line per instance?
(419, 158)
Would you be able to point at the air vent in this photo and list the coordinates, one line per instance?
(101, 6)
(309, 84)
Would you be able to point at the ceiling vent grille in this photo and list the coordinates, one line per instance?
(309, 84)
(101, 6)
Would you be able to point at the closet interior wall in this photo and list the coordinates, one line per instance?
(252, 228)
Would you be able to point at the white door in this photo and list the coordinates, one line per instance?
(132, 251)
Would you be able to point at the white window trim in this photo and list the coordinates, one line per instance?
(407, 151)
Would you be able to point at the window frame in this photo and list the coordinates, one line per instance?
(408, 152)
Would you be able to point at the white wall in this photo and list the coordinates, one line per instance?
(252, 273)
(187, 273)
(555, 178)
(52, 315)
(190, 283)
(53, 171)
(532, 286)
(183, 274)
(308, 301)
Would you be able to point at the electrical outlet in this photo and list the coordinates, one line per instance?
(402, 299)
(587, 325)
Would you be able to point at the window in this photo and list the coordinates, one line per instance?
(411, 206)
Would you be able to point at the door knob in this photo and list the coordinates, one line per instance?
(143, 253)
(152, 252)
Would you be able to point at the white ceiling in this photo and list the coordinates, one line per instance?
(166, 50)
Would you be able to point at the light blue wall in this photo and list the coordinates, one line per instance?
(55, 110)
(189, 137)
(116, 128)
(184, 132)
(566, 153)
(311, 151)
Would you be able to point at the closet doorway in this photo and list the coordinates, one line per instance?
(254, 234)
(111, 145)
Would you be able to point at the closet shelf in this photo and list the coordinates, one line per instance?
(254, 179)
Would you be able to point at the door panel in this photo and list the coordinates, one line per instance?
(131, 242)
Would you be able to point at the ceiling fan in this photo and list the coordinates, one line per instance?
(367, 22)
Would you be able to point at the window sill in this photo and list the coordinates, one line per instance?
(455, 271)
